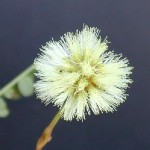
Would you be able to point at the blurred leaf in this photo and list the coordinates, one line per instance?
(12, 93)
(25, 86)
(4, 111)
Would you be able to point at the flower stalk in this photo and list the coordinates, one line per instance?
(46, 136)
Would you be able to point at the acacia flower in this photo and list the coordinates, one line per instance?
(79, 75)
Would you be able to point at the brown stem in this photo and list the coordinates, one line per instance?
(47, 133)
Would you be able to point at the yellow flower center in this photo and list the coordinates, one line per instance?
(85, 72)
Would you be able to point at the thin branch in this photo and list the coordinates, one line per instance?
(47, 133)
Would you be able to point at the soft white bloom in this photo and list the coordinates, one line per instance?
(79, 76)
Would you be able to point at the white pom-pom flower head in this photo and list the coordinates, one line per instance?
(80, 76)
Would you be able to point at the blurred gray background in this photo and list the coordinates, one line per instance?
(25, 25)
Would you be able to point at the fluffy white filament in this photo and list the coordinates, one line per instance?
(78, 74)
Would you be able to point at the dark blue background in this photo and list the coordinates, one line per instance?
(27, 24)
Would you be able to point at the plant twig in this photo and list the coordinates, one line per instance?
(47, 133)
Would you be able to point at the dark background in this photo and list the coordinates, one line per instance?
(25, 25)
